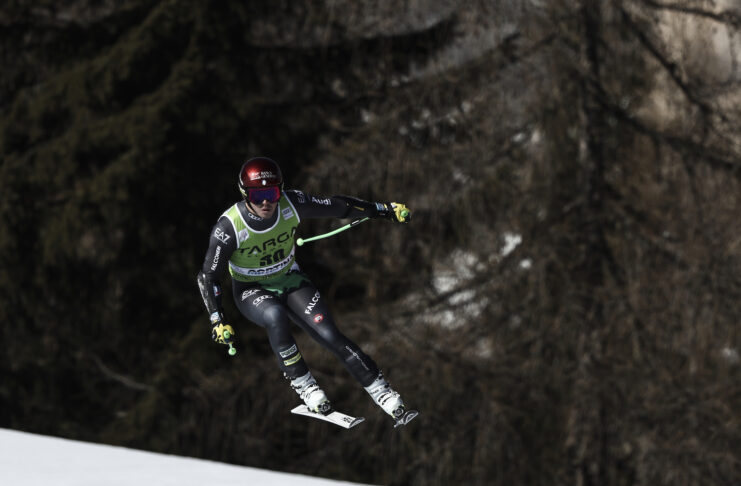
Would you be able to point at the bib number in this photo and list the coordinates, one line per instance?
(275, 257)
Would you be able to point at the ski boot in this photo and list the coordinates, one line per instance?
(390, 401)
(312, 395)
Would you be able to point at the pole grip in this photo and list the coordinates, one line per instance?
(232, 349)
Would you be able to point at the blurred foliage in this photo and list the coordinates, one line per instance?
(563, 308)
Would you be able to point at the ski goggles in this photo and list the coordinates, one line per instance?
(270, 194)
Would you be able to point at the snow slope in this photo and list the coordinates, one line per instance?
(37, 460)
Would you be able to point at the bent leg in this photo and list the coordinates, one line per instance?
(310, 311)
(266, 310)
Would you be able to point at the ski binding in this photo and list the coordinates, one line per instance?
(334, 417)
(405, 418)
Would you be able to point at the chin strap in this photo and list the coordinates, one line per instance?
(249, 205)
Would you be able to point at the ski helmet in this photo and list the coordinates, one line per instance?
(257, 173)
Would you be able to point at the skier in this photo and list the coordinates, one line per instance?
(255, 239)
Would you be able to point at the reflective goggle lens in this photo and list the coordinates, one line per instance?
(269, 194)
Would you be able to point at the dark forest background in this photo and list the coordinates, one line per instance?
(563, 309)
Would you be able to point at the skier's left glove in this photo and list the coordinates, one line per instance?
(218, 330)
(396, 212)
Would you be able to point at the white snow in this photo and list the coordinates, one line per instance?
(511, 241)
(37, 460)
(462, 267)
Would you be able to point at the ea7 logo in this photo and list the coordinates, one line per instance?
(220, 235)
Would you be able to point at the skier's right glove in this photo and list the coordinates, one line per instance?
(219, 328)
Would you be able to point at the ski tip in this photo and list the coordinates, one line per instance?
(355, 422)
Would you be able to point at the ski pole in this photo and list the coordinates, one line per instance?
(232, 349)
(301, 241)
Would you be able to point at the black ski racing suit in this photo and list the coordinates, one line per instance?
(301, 302)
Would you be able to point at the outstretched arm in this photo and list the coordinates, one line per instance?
(311, 207)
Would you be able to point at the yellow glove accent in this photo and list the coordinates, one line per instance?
(401, 212)
(217, 333)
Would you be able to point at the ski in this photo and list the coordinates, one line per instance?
(334, 417)
(405, 418)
